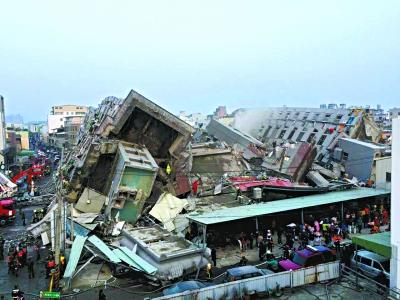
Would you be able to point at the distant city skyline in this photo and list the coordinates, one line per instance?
(196, 56)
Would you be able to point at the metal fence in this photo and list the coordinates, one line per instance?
(265, 283)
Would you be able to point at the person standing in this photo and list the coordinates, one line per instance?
(280, 232)
(23, 218)
(102, 296)
(359, 224)
(31, 270)
(1, 248)
(261, 250)
(214, 256)
(16, 293)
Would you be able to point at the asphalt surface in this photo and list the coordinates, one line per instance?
(7, 281)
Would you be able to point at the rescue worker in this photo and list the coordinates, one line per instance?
(209, 272)
(49, 266)
(16, 293)
(20, 257)
(62, 264)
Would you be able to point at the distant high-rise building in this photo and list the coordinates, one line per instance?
(342, 105)
(332, 106)
(220, 112)
(322, 106)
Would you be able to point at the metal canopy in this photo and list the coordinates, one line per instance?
(255, 210)
(378, 243)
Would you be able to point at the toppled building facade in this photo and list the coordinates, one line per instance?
(126, 134)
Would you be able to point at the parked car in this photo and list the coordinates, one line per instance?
(328, 253)
(311, 256)
(184, 286)
(370, 264)
(245, 272)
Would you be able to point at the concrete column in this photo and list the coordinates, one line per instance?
(395, 206)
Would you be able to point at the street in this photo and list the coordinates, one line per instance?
(7, 281)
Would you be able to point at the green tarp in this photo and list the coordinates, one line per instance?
(378, 243)
(74, 256)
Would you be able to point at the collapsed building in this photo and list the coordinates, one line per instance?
(134, 166)
(129, 138)
(130, 155)
(303, 139)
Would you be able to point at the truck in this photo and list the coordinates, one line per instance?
(7, 211)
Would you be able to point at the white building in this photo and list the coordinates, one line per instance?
(56, 119)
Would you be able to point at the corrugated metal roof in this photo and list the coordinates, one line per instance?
(378, 243)
(254, 210)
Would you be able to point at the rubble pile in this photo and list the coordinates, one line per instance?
(138, 171)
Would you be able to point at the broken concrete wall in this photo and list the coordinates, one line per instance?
(293, 160)
(231, 135)
(130, 181)
(138, 120)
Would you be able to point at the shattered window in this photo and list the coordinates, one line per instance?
(388, 177)
(322, 139)
(300, 136)
(345, 156)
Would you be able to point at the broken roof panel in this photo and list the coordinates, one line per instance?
(134, 260)
(90, 201)
(74, 256)
(167, 208)
(99, 244)
(231, 135)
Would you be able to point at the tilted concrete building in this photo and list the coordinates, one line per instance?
(123, 137)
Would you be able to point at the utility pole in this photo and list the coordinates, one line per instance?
(72, 223)
(58, 212)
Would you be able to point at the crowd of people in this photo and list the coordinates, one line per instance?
(327, 231)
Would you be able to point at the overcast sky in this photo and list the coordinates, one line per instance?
(193, 56)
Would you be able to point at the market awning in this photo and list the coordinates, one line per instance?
(378, 243)
(261, 209)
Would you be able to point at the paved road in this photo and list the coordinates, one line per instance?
(7, 281)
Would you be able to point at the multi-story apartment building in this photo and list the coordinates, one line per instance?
(56, 119)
